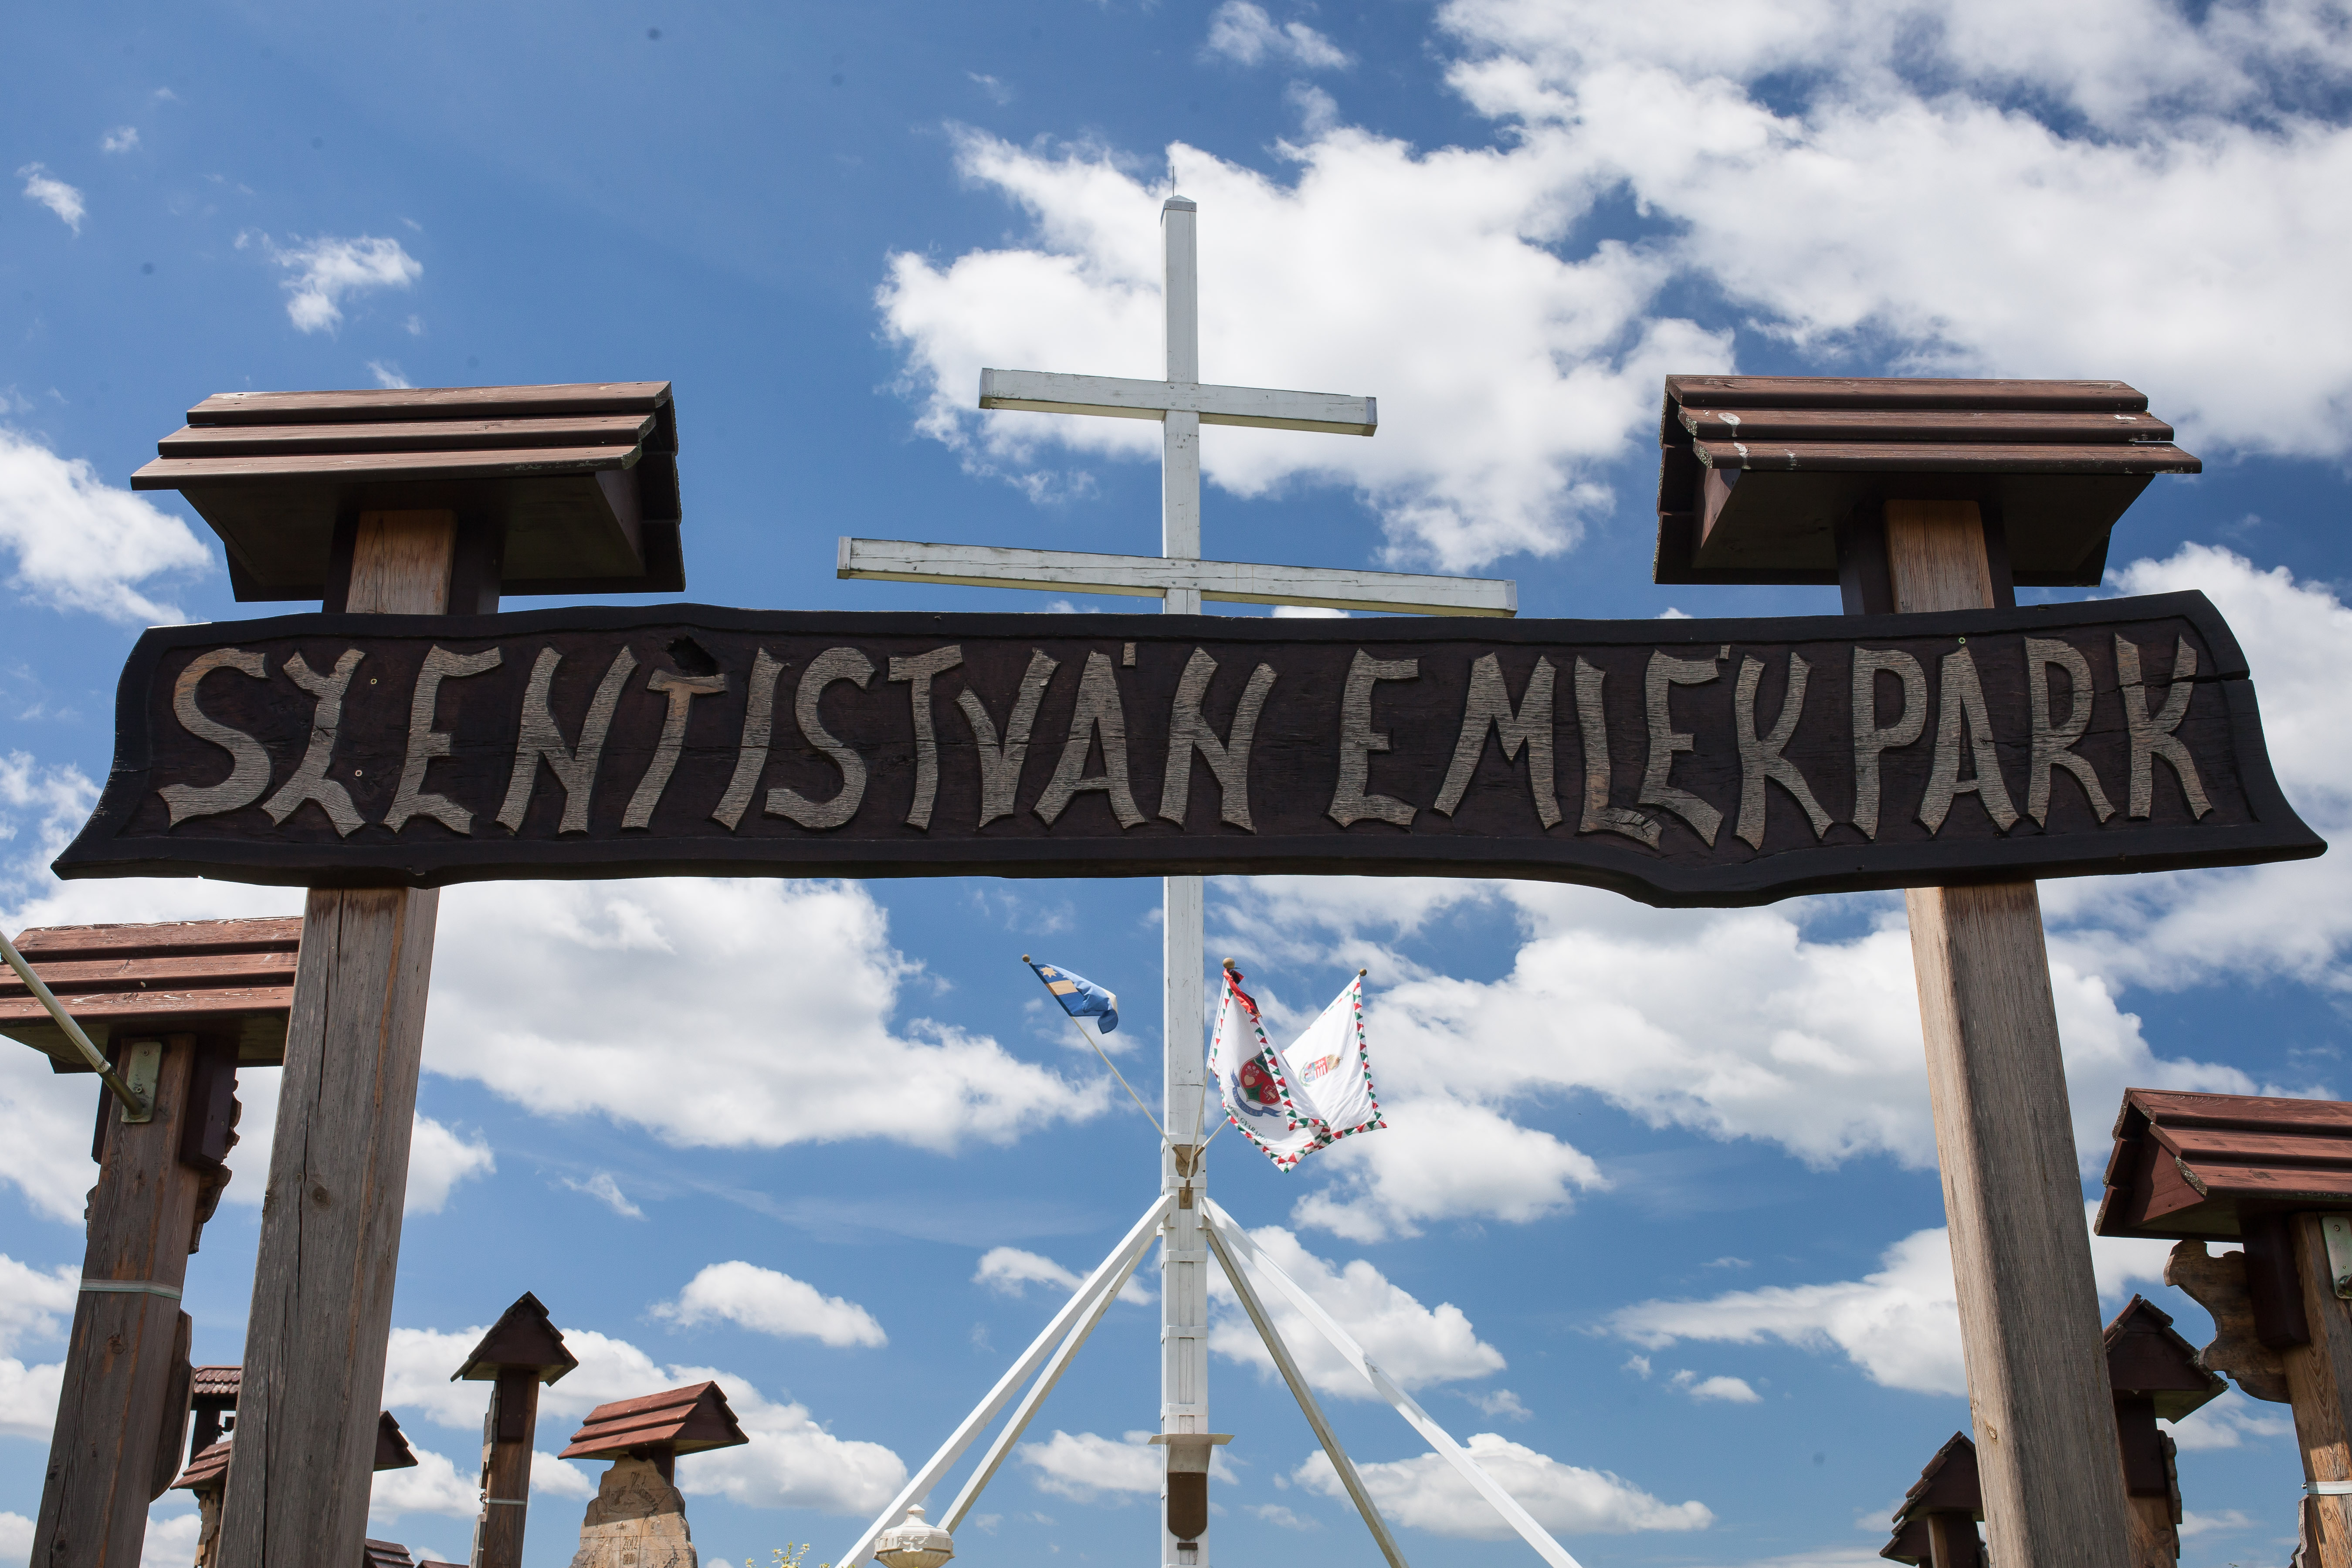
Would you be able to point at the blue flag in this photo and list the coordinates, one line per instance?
(1080, 998)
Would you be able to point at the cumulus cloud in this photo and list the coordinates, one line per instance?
(768, 1303)
(1009, 1271)
(1419, 1173)
(121, 139)
(438, 1159)
(80, 543)
(2233, 1421)
(431, 1485)
(1246, 35)
(37, 1307)
(1899, 1325)
(54, 193)
(1417, 1346)
(1086, 1467)
(792, 1461)
(1725, 1390)
(1500, 1403)
(326, 271)
(623, 970)
(1496, 402)
(171, 1535)
(560, 1477)
(28, 1398)
(1427, 1493)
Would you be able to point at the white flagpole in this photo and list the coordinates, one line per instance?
(1452, 1453)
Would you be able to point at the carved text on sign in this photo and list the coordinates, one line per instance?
(1681, 761)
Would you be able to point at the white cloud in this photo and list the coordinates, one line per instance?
(1273, 1513)
(1427, 1493)
(1246, 35)
(2193, 1524)
(328, 269)
(1496, 402)
(1899, 1325)
(621, 971)
(36, 1304)
(560, 1477)
(1009, 1271)
(768, 1303)
(1502, 1403)
(2232, 1421)
(121, 139)
(387, 373)
(17, 1536)
(1420, 1169)
(792, 1461)
(438, 1159)
(171, 1535)
(1086, 1465)
(1415, 1345)
(54, 193)
(80, 543)
(1725, 1390)
(606, 1191)
(431, 1485)
(28, 1398)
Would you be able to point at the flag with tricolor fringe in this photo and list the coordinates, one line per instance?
(1291, 1102)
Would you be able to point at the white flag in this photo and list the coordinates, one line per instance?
(1259, 1089)
(1333, 1070)
(1292, 1102)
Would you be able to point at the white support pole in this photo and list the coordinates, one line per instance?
(1180, 468)
(1022, 1414)
(1452, 1453)
(1238, 1278)
(1123, 1259)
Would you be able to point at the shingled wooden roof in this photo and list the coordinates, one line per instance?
(2186, 1166)
(216, 1387)
(583, 479)
(1948, 1485)
(524, 1338)
(1759, 472)
(684, 1421)
(392, 1449)
(232, 978)
(2148, 1359)
(387, 1555)
(208, 1469)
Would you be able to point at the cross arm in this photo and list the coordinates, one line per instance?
(1152, 576)
(1118, 397)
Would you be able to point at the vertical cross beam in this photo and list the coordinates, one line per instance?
(506, 1433)
(1185, 1254)
(124, 1403)
(2319, 1386)
(2038, 1393)
(315, 1340)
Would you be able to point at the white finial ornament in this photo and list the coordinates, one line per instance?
(914, 1543)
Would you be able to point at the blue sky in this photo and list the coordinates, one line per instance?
(1657, 1207)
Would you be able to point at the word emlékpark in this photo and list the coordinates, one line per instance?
(1676, 761)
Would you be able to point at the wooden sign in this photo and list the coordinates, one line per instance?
(1679, 762)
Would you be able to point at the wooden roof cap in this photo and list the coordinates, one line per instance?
(230, 978)
(208, 1469)
(386, 1554)
(2190, 1166)
(1759, 472)
(523, 1338)
(2148, 1359)
(214, 1387)
(392, 1449)
(1948, 1485)
(210, 1466)
(577, 484)
(683, 1421)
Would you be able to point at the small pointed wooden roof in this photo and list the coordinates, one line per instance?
(522, 1337)
(1948, 1485)
(214, 1387)
(234, 978)
(579, 479)
(386, 1554)
(683, 1421)
(207, 1469)
(1759, 472)
(392, 1449)
(2147, 1358)
(2192, 1166)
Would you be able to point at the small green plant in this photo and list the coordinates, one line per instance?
(791, 1556)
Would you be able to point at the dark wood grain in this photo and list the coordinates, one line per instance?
(185, 473)
(124, 1360)
(405, 435)
(1945, 457)
(2073, 427)
(428, 401)
(1497, 827)
(2319, 1387)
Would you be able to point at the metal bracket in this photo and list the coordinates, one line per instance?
(143, 1066)
(2336, 1229)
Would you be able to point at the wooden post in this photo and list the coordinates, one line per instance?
(315, 1341)
(2319, 1386)
(1952, 1541)
(124, 1401)
(2021, 1257)
(506, 1469)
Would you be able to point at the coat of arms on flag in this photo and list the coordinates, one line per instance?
(1292, 1102)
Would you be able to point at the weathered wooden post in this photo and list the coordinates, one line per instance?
(2154, 1377)
(2268, 1172)
(638, 1517)
(522, 1350)
(1921, 496)
(178, 1007)
(1937, 1525)
(401, 502)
